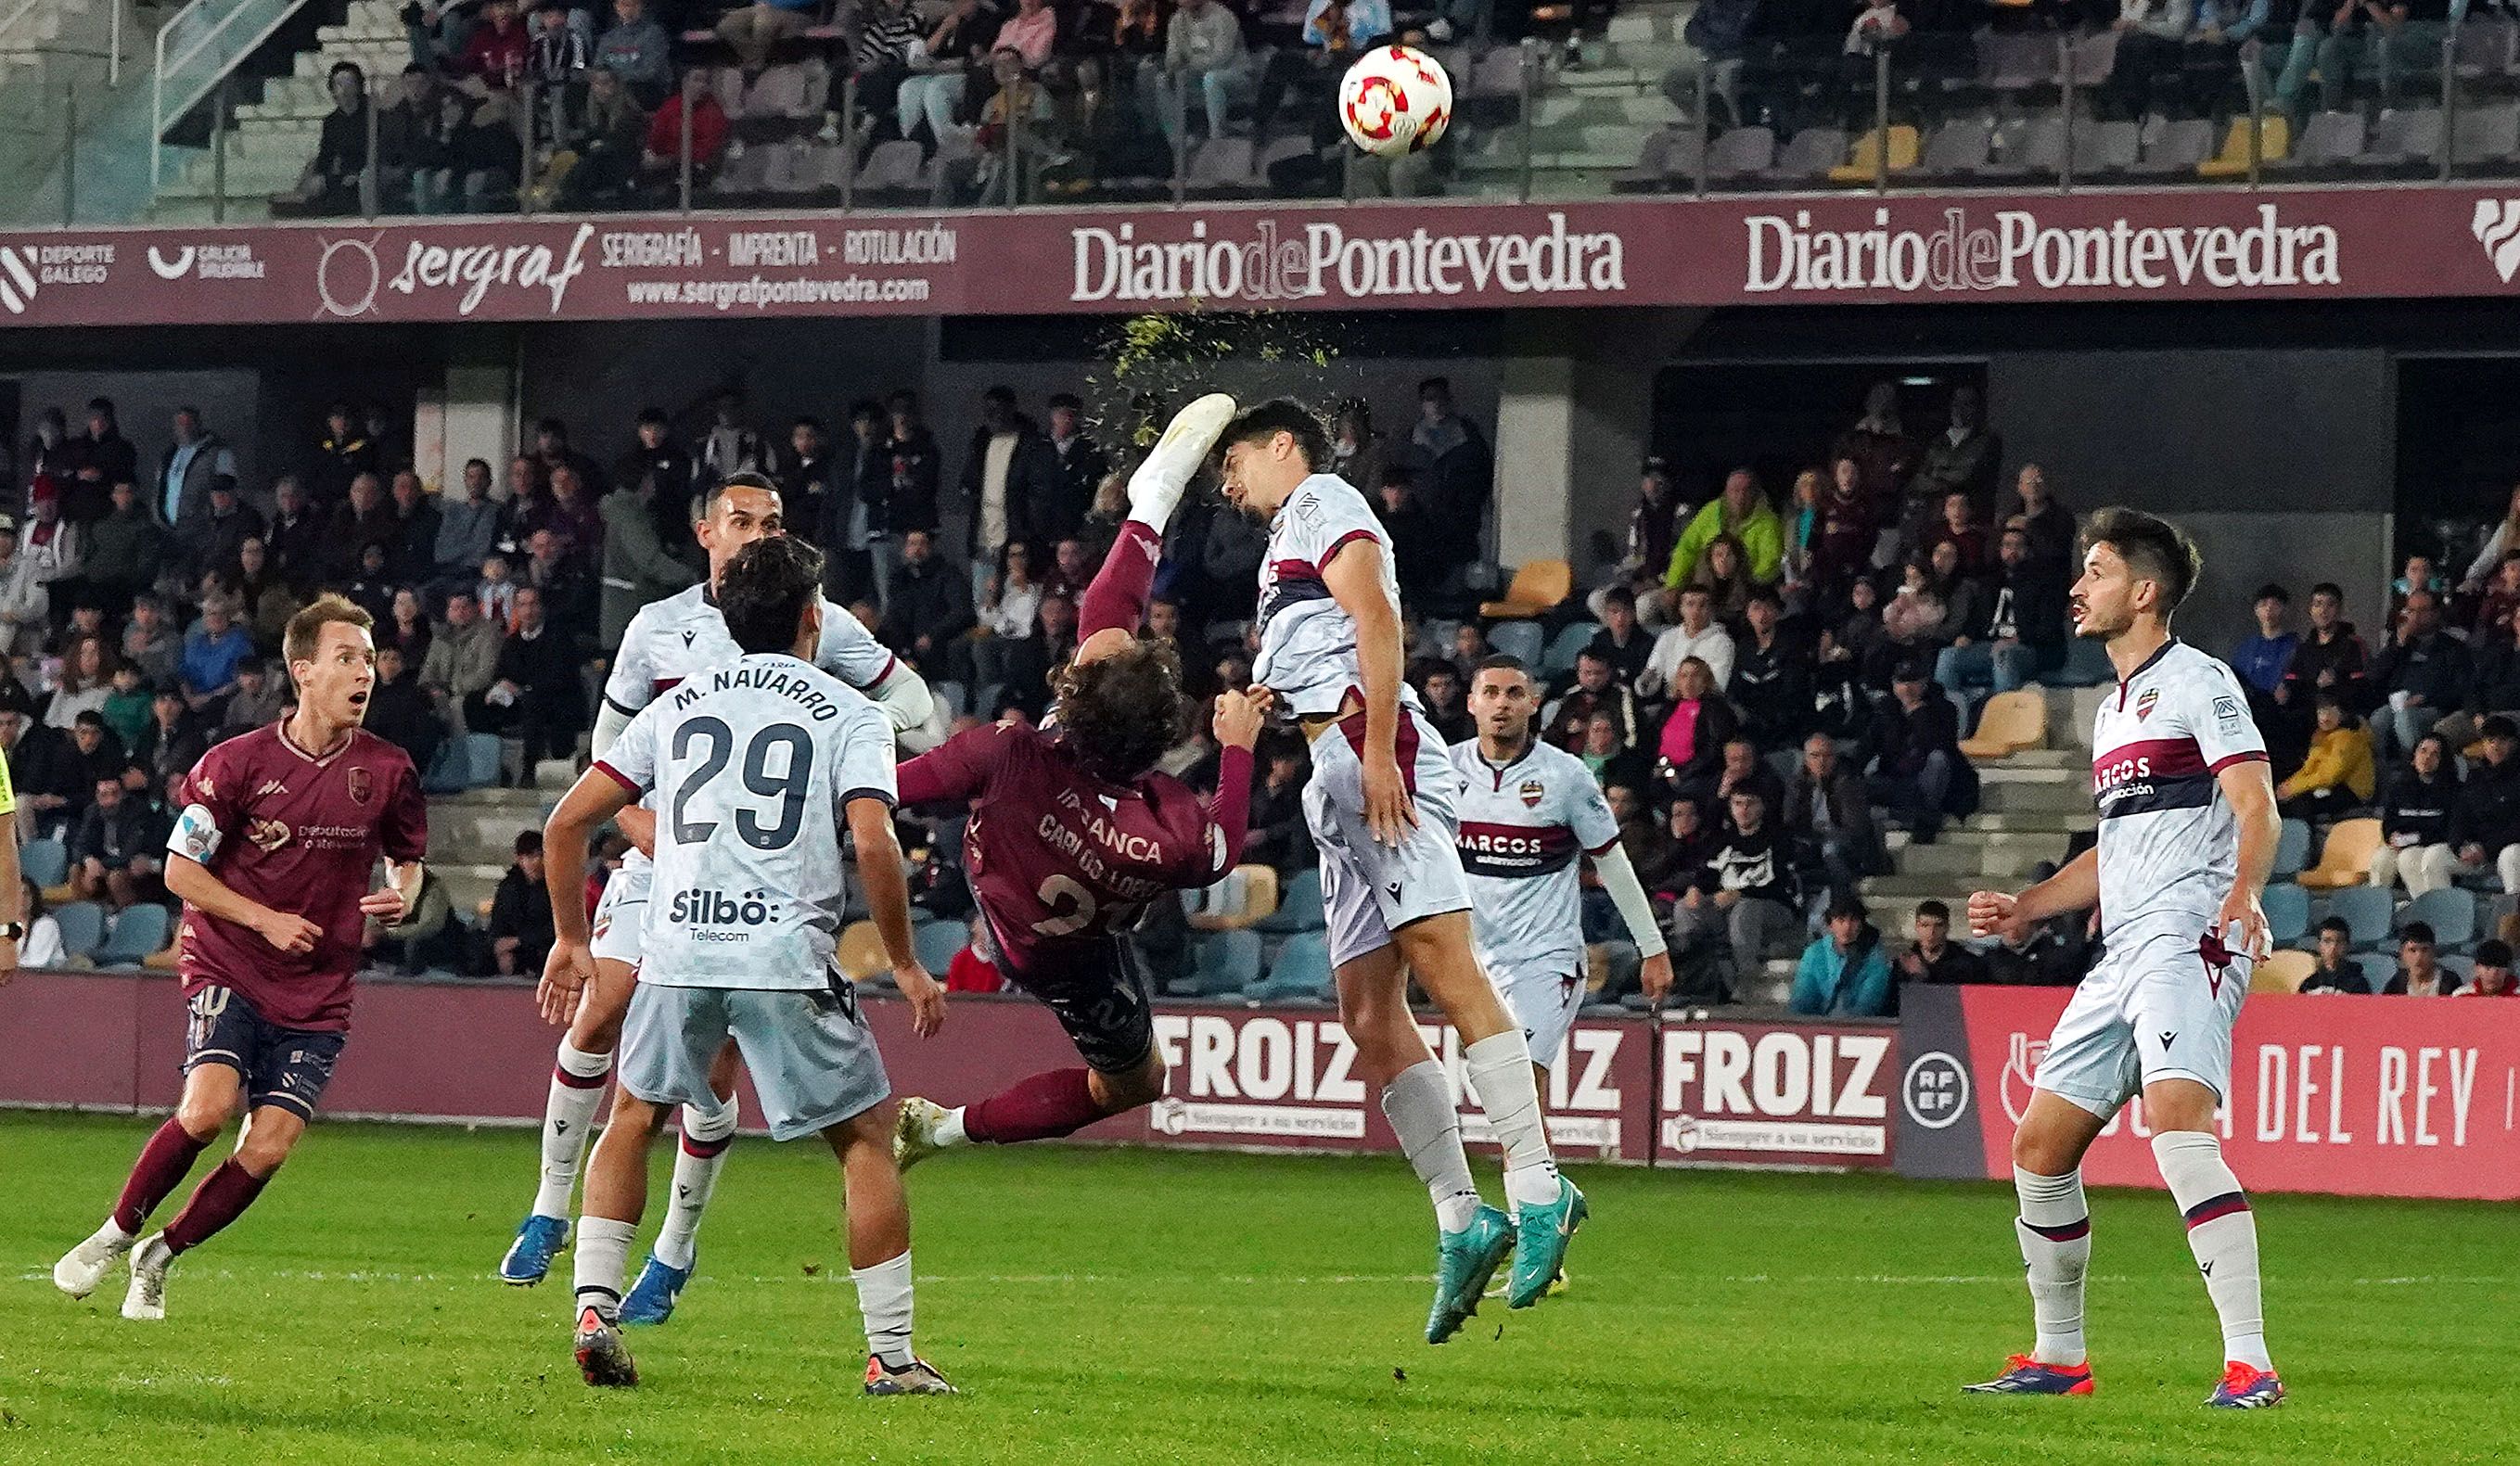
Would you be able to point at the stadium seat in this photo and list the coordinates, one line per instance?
(2364, 909)
(2282, 972)
(2087, 665)
(1957, 148)
(938, 942)
(1863, 160)
(2010, 62)
(2377, 968)
(893, 165)
(2275, 140)
(1743, 153)
(2450, 912)
(2288, 909)
(136, 932)
(1568, 644)
(2460, 967)
(1299, 905)
(46, 863)
(2330, 141)
(2346, 859)
(2026, 146)
(1667, 161)
(1301, 972)
(1520, 639)
(2013, 721)
(2485, 135)
(1247, 895)
(82, 924)
(2094, 59)
(1808, 159)
(2292, 847)
(2107, 148)
(1221, 166)
(860, 953)
(2402, 138)
(1538, 587)
(1224, 964)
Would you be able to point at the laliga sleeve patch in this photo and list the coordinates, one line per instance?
(2228, 714)
(195, 836)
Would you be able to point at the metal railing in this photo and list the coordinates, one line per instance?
(236, 28)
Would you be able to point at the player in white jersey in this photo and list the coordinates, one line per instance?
(668, 641)
(757, 767)
(2187, 831)
(1529, 811)
(1380, 806)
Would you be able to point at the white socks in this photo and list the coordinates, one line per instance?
(2223, 1233)
(2056, 1231)
(884, 1301)
(696, 1161)
(949, 1130)
(1499, 1068)
(603, 1260)
(568, 1123)
(1418, 1103)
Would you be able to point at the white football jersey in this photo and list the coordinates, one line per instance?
(684, 635)
(2169, 845)
(1307, 643)
(751, 767)
(1523, 827)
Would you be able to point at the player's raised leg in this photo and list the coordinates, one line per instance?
(1117, 600)
(212, 1092)
(707, 1133)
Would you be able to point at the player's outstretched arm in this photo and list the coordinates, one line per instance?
(599, 794)
(2076, 888)
(2250, 787)
(887, 894)
(191, 882)
(1354, 577)
(908, 705)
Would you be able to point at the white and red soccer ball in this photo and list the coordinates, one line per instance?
(1395, 100)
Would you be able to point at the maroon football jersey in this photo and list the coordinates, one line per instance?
(1058, 859)
(301, 834)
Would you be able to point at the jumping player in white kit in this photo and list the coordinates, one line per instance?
(2188, 832)
(758, 765)
(1528, 810)
(668, 641)
(1380, 806)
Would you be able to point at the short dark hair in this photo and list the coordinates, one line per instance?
(807, 421)
(104, 405)
(2153, 547)
(2494, 951)
(90, 718)
(1443, 384)
(1279, 415)
(339, 67)
(553, 426)
(1762, 595)
(1000, 393)
(1500, 662)
(1935, 910)
(2271, 591)
(1068, 400)
(741, 478)
(652, 416)
(529, 842)
(2328, 588)
(1120, 713)
(865, 409)
(2497, 726)
(1846, 904)
(2416, 931)
(765, 589)
(2338, 925)
(1619, 596)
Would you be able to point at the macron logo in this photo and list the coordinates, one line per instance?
(18, 281)
(2496, 226)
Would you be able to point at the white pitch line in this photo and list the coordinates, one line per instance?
(827, 1273)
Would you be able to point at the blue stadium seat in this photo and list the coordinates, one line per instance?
(2366, 908)
(484, 760)
(137, 931)
(82, 928)
(1568, 644)
(2459, 968)
(2287, 907)
(1226, 963)
(938, 942)
(46, 863)
(446, 772)
(2451, 911)
(2292, 848)
(1299, 905)
(2087, 665)
(1301, 972)
(1521, 640)
(2377, 968)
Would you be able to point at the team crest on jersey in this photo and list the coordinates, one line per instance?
(2143, 704)
(361, 785)
(1531, 791)
(267, 835)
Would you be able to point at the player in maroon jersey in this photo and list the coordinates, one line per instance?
(1072, 831)
(272, 856)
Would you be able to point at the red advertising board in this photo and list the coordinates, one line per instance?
(2377, 1096)
(1776, 1093)
(2158, 244)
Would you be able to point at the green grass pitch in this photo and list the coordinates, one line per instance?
(1104, 1307)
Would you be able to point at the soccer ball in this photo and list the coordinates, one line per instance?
(1395, 100)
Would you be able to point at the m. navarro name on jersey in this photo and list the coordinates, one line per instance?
(776, 680)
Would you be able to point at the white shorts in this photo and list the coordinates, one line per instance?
(1543, 996)
(619, 914)
(2153, 1008)
(812, 1058)
(1371, 890)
